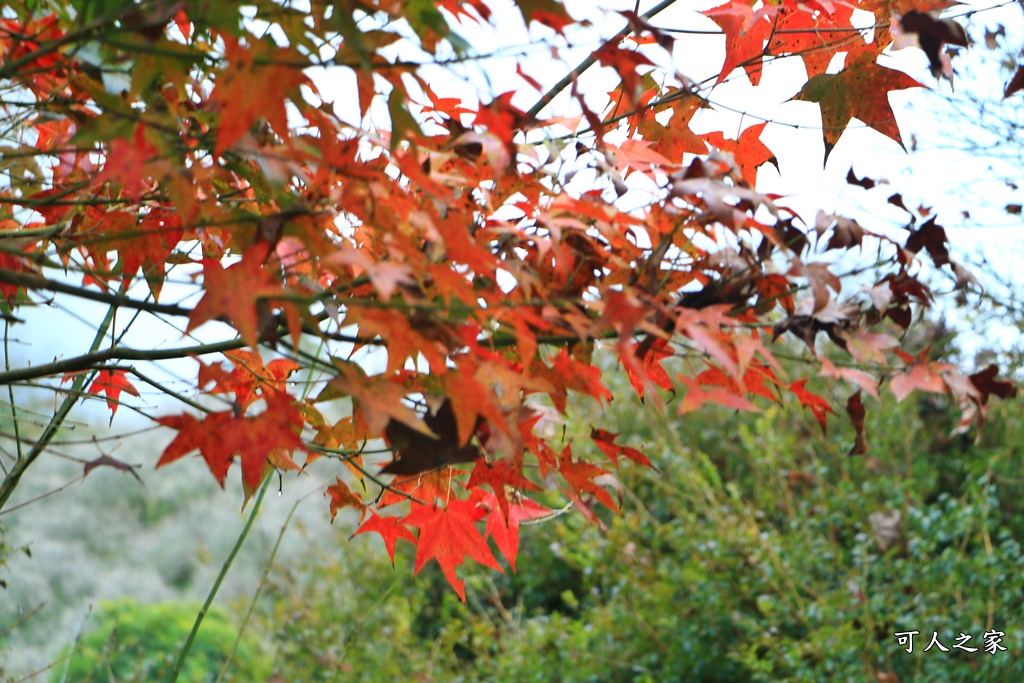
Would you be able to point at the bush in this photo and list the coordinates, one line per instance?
(757, 553)
(140, 642)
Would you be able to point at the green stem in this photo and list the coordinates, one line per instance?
(183, 655)
(259, 588)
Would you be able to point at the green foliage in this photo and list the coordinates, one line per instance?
(757, 553)
(139, 642)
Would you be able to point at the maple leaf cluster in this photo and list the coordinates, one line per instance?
(449, 236)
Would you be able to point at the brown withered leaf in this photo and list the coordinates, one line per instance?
(108, 461)
(991, 37)
(886, 528)
(897, 200)
(793, 237)
(342, 496)
(931, 237)
(417, 452)
(1016, 83)
(963, 276)
(846, 234)
(987, 384)
(836, 322)
(933, 34)
(865, 182)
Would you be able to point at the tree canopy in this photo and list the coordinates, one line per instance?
(493, 252)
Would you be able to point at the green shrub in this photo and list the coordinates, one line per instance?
(132, 641)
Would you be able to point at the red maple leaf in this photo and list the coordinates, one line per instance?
(816, 404)
(503, 525)
(746, 31)
(921, 376)
(129, 163)
(580, 476)
(250, 378)
(605, 440)
(111, 383)
(449, 535)
(625, 62)
(748, 150)
(658, 351)
(498, 475)
(697, 395)
(390, 529)
(142, 244)
(232, 293)
(261, 441)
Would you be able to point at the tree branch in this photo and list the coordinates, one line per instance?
(31, 281)
(589, 62)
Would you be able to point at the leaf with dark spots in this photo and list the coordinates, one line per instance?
(860, 90)
(418, 452)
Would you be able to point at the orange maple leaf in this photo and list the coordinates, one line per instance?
(342, 496)
(127, 163)
(813, 35)
(247, 90)
(746, 31)
(748, 150)
(580, 477)
(250, 378)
